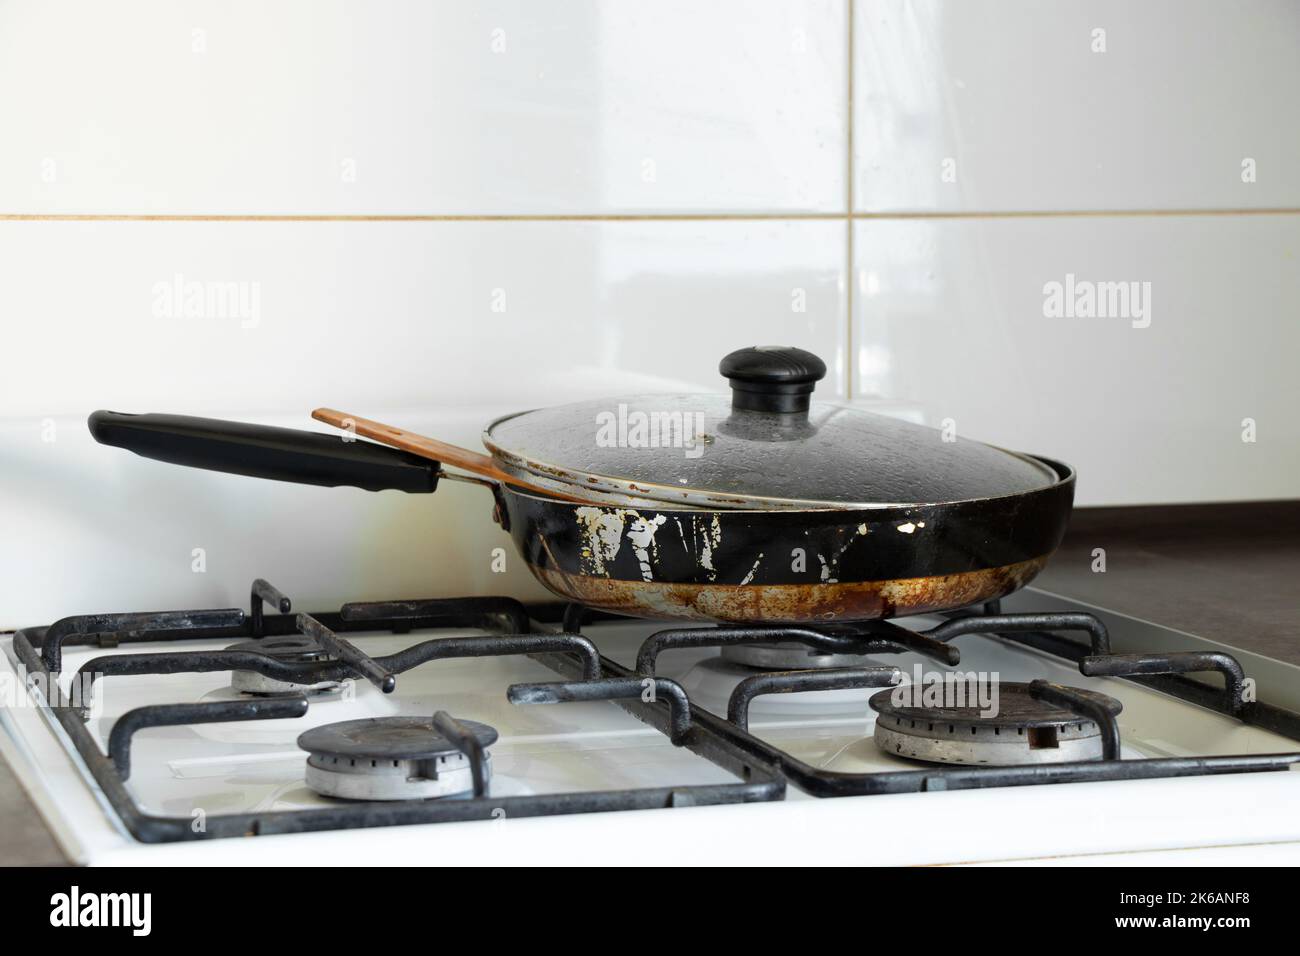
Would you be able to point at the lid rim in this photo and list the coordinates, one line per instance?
(698, 498)
(1065, 475)
(985, 479)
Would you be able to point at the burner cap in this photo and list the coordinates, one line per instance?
(391, 738)
(789, 656)
(293, 648)
(389, 758)
(1023, 731)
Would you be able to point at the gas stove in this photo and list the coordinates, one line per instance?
(406, 721)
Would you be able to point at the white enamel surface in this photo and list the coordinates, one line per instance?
(993, 105)
(404, 106)
(577, 746)
(949, 314)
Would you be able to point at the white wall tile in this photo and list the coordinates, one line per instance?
(1012, 91)
(412, 314)
(949, 314)
(435, 107)
(389, 320)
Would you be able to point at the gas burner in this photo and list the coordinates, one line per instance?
(394, 758)
(1025, 730)
(789, 656)
(293, 649)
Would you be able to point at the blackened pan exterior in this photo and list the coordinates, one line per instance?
(790, 566)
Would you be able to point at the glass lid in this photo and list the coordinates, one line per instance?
(766, 446)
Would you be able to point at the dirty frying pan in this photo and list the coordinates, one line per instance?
(761, 507)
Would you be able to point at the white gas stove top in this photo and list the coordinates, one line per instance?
(201, 771)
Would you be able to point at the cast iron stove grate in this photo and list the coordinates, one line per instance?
(1163, 672)
(762, 770)
(571, 656)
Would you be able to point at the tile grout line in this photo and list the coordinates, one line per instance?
(849, 271)
(644, 217)
(419, 217)
(1081, 213)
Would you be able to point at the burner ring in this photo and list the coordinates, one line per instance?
(1023, 731)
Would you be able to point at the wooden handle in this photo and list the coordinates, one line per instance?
(470, 461)
(474, 462)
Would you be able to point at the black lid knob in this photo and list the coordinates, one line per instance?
(772, 378)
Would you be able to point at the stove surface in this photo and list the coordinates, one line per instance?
(201, 770)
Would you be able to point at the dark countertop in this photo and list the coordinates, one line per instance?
(25, 840)
(1228, 572)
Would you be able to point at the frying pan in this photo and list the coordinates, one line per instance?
(649, 559)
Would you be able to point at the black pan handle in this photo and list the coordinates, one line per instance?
(261, 451)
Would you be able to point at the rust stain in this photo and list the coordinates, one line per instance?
(792, 603)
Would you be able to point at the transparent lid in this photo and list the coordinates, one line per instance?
(766, 446)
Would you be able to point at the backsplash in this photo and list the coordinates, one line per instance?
(1072, 229)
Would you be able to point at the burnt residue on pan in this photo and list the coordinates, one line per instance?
(791, 603)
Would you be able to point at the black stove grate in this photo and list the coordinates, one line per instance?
(762, 770)
(1164, 672)
(570, 655)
